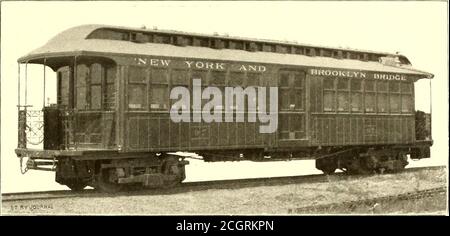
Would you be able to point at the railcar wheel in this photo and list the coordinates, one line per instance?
(358, 166)
(328, 170)
(173, 172)
(76, 185)
(105, 184)
(327, 165)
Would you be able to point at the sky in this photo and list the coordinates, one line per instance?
(415, 29)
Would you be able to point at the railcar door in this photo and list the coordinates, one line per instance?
(291, 118)
(53, 122)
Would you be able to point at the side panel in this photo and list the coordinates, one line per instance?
(357, 109)
(358, 129)
(156, 131)
(145, 90)
(328, 114)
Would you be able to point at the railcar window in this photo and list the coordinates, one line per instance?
(110, 90)
(108, 34)
(326, 53)
(311, 52)
(382, 96)
(179, 78)
(236, 79)
(394, 87)
(329, 94)
(166, 39)
(137, 88)
(284, 80)
(284, 91)
(382, 86)
(253, 47)
(328, 83)
(406, 88)
(218, 80)
(353, 56)
(343, 94)
(188, 41)
(159, 90)
(369, 98)
(356, 95)
(202, 76)
(268, 48)
(394, 96)
(236, 45)
(81, 88)
(239, 45)
(281, 49)
(291, 90)
(96, 86)
(407, 98)
(140, 37)
(217, 44)
(201, 42)
(299, 50)
(406, 103)
(180, 41)
(254, 79)
(63, 77)
(299, 81)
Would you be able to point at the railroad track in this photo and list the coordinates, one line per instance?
(198, 186)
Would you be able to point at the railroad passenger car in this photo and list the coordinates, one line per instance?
(111, 126)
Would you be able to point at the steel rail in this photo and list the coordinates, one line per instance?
(199, 186)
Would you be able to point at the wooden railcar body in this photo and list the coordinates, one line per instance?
(113, 96)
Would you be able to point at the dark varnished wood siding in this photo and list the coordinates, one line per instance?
(361, 129)
(153, 131)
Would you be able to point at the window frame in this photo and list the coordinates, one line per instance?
(295, 92)
(96, 84)
(384, 93)
(331, 91)
(391, 97)
(360, 93)
(346, 92)
(409, 94)
(109, 103)
(372, 92)
(166, 84)
(143, 84)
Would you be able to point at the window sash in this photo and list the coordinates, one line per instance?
(382, 103)
(93, 85)
(395, 103)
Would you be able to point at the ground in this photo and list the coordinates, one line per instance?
(278, 199)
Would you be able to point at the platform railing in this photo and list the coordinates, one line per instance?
(31, 127)
(31, 130)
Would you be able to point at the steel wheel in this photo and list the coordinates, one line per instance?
(328, 170)
(76, 185)
(104, 183)
(173, 173)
